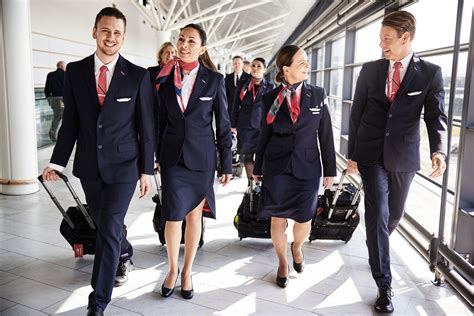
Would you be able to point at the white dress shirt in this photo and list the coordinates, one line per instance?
(187, 89)
(403, 70)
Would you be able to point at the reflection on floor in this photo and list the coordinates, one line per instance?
(39, 275)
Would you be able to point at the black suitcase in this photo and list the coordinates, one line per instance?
(77, 227)
(337, 216)
(245, 221)
(159, 224)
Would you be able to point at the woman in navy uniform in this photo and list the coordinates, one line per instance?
(191, 93)
(247, 112)
(296, 138)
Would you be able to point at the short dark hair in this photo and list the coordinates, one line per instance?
(402, 21)
(109, 11)
(284, 58)
(260, 59)
(237, 56)
(246, 62)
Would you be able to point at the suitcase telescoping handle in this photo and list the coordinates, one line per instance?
(157, 182)
(338, 193)
(74, 195)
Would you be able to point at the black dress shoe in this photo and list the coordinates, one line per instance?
(95, 310)
(299, 267)
(187, 294)
(383, 304)
(282, 281)
(166, 292)
(124, 267)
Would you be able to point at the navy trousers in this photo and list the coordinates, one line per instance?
(108, 204)
(385, 196)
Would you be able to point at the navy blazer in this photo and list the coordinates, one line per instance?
(191, 133)
(304, 144)
(247, 113)
(154, 71)
(378, 129)
(115, 140)
(230, 88)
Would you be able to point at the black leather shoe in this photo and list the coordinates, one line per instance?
(187, 294)
(124, 267)
(299, 267)
(282, 281)
(95, 310)
(166, 292)
(383, 304)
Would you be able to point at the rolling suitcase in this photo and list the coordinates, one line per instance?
(159, 224)
(246, 221)
(337, 216)
(237, 167)
(77, 227)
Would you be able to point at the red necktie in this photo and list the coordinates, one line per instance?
(102, 85)
(395, 83)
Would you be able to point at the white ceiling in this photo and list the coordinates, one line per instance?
(249, 28)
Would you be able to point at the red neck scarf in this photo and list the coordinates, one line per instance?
(178, 65)
(287, 92)
(250, 87)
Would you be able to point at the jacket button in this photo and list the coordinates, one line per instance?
(390, 115)
(100, 126)
(100, 146)
(386, 134)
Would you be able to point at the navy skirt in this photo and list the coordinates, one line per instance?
(183, 189)
(247, 140)
(286, 196)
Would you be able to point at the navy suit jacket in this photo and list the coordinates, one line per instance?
(247, 113)
(306, 144)
(156, 100)
(115, 140)
(230, 87)
(378, 129)
(191, 133)
(54, 83)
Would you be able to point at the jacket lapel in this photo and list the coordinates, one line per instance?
(382, 77)
(305, 97)
(89, 75)
(409, 75)
(199, 85)
(118, 80)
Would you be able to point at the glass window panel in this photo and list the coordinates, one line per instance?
(335, 78)
(355, 77)
(337, 53)
(367, 43)
(319, 78)
(435, 23)
(466, 20)
(320, 59)
(335, 109)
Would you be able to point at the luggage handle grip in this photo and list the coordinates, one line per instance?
(339, 191)
(74, 195)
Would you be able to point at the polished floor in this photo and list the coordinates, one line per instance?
(39, 274)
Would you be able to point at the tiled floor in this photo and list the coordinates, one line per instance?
(39, 275)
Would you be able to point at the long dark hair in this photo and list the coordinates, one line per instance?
(284, 58)
(205, 59)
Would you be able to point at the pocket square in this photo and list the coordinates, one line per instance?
(411, 94)
(123, 99)
(205, 98)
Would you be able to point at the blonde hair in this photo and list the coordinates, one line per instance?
(162, 49)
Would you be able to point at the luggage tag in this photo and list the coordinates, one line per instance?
(78, 250)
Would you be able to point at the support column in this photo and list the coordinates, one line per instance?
(18, 151)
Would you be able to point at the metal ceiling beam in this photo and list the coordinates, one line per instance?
(145, 13)
(195, 18)
(184, 5)
(155, 15)
(263, 41)
(237, 35)
(231, 27)
(222, 42)
(170, 13)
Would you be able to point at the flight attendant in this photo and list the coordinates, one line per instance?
(247, 112)
(296, 139)
(191, 94)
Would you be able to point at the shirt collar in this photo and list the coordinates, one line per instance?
(110, 66)
(194, 71)
(405, 61)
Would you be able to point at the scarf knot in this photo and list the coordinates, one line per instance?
(288, 93)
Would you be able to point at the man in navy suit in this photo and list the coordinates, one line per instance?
(384, 137)
(108, 116)
(232, 81)
(53, 90)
